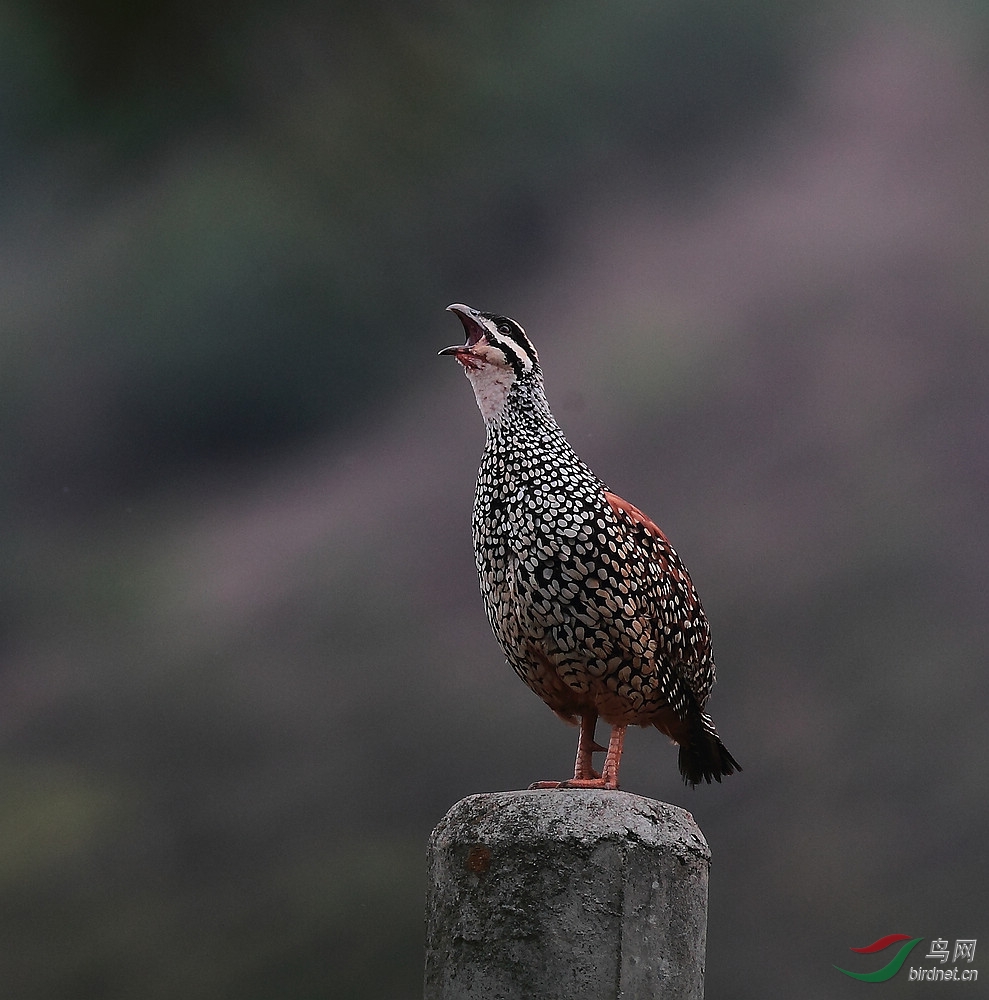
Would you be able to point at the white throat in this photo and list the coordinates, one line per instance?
(491, 384)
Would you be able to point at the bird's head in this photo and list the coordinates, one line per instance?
(496, 354)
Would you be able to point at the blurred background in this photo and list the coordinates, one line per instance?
(245, 668)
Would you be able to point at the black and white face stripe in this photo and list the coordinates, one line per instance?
(508, 335)
(493, 340)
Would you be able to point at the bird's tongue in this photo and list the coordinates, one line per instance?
(467, 360)
(473, 329)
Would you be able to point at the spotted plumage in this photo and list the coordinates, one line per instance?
(587, 597)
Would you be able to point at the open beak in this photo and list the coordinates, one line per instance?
(464, 353)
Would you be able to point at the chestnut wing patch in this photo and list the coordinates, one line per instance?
(620, 506)
(689, 644)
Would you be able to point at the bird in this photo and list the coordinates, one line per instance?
(589, 601)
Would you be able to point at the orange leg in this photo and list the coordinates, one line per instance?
(609, 773)
(584, 774)
(586, 748)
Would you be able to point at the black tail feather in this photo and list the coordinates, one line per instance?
(705, 757)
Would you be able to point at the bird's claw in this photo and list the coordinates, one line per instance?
(597, 781)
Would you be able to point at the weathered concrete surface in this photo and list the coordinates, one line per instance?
(578, 894)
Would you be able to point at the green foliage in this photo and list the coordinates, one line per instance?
(227, 262)
(234, 706)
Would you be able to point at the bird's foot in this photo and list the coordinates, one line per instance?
(585, 770)
(598, 781)
(584, 777)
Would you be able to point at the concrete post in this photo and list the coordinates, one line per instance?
(566, 894)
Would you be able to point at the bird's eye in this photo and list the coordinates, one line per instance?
(505, 329)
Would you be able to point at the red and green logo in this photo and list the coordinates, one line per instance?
(892, 967)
